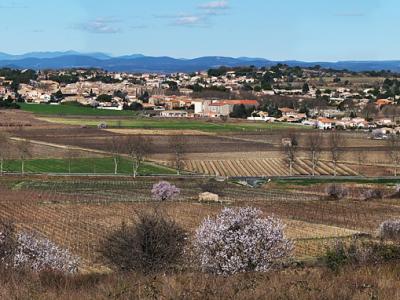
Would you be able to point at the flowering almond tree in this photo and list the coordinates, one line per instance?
(164, 191)
(240, 240)
(39, 254)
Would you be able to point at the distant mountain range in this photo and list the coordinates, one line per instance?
(164, 64)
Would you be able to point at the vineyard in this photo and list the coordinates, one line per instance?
(263, 167)
(77, 213)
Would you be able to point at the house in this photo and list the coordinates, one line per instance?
(383, 102)
(261, 116)
(219, 108)
(174, 114)
(326, 124)
(286, 111)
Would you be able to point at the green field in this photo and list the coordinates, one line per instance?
(71, 109)
(174, 124)
(312, 181)
(84, 166)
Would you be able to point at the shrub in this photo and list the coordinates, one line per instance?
(8, 243)
(359, 252)
(390, 229)
(372, 194)
(163, 191)
(38, 253)
(154, 244)
(240, 240)
(335, 191)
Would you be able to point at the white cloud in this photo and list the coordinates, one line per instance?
(214, 5)
(189, 20)
(99, 25)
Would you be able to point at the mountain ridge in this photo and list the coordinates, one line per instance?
(166, 64)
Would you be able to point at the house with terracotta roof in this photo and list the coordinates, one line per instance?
(383, 102)
(326, 124)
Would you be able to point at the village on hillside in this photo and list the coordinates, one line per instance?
(322, 98)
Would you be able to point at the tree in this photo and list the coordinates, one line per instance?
(137, 148)
(369, 111)
(305, 88)
(115, 147)
(24, 152)
(393, 144)
(4, 150)
(177, 144)
(70, 155)
(104, 98)
(336, 142)
(289, 147)
(240, 240)
(314, 146)
(164, 191)
(239, 111)
(145, 97)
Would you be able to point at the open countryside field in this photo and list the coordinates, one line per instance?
(263, 167)
(72, 110)
(99, 165)
(78, 212)
(205, 142)
(176, 124)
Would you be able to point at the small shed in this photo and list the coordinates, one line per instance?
(208, 197)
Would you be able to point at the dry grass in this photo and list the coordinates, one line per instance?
(158, 132)
(369, 282)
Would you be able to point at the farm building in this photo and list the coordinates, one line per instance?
(174, 114)
(326, 124)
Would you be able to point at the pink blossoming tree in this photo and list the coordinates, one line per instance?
(240, 240)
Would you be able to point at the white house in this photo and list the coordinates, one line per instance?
(326, 124)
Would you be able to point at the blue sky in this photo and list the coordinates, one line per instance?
(310, 30)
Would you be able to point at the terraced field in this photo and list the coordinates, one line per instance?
(263, 167)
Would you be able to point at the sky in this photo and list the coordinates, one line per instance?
(309, 30)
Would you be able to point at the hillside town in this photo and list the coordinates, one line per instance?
(323, 98)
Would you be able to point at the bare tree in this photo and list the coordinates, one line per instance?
(336, 142)
(4, 150)
(137, 147)
(24, 152)
(70, 155)
(314, 142)
(115, 147)
(177, 144)
(361, 157)
(393, 144)
(289, 147)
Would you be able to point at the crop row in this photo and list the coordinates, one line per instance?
(263, 167)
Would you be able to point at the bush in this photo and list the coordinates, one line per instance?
(390, 229)
(164, 191)
(359, 252)
(372, 194)
(8, 243)
(153, 244)
(335, 191)
(240, 240)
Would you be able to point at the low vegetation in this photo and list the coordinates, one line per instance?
(83, 166)
(154, 243)
(71, 109)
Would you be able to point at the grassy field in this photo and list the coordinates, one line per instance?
(71, 110)
(184, 124)
(312, 181)
(84, 166)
